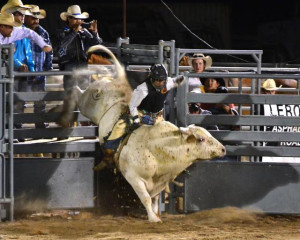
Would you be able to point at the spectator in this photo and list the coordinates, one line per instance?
(217, 85)
(74, 41)
(195, 109)
(268, 87)
(199, 63)
(23, 61)
(43, 61)
(10, 32)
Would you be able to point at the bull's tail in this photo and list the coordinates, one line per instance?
(119, 69)
(70, 104)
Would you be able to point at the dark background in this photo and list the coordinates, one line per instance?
(273, 26)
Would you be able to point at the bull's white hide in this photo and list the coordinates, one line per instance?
(155, 155)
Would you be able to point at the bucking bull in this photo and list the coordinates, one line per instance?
(153, 155)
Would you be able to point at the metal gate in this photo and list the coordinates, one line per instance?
(6, 141)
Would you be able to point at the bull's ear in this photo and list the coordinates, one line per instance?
(96, 94)
(191, 139)
(184, 130)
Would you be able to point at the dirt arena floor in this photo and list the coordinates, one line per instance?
(224, 223)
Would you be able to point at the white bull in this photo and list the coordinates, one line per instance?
(153, 155)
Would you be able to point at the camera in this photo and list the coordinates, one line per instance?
(86, 25)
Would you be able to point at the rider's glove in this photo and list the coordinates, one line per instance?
(147, 120)
(179, 79)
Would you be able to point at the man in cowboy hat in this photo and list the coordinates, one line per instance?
(10, 32)
(43, 61)
(23, 61)
(269, 87)
(74, 42)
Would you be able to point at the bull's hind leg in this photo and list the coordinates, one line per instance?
(140, 188)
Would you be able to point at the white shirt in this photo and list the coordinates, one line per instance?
(142, 91)
(19, 33)
(195, 85)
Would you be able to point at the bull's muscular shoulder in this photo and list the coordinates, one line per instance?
(162, 128)
(146, 134)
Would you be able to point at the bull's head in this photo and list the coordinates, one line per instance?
(204, 145)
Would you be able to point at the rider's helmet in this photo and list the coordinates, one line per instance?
(157, 73)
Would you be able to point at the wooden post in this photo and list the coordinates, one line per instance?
(124, 19)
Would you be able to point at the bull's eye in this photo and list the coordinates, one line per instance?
(200, 140)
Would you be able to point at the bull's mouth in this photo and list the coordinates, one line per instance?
(217, 155)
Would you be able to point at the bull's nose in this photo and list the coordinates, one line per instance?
(223, 150)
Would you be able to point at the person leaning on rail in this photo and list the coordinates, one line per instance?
(11, 31)
(199, 63)
(42, 60)
(23, 59)
(268, 87)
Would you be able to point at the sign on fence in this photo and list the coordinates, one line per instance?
(282, 110)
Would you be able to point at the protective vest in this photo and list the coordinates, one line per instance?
(154, 101)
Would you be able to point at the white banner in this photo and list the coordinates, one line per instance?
(282, 110)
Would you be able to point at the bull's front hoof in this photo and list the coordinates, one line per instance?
(155, 219)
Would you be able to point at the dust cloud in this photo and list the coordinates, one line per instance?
(222, 223)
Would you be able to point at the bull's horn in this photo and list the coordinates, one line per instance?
(185, 130)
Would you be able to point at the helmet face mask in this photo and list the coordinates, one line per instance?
(158, 84)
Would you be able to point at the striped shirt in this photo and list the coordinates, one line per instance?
(43, 61)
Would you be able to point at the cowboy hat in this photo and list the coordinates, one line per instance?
(207, 59)
(75, 12)
(9, 20)
(35, 12)
(270, 85)
(13, 6)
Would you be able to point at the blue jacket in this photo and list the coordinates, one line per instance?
(23, 54)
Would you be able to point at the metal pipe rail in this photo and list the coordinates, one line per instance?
(253, 121)
(255, 54)
(7, 167)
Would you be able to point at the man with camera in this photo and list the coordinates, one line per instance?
(73, 43)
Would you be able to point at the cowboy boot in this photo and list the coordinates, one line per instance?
(109, 156)
(107, 160)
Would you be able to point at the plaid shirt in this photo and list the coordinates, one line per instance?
(43, 61)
